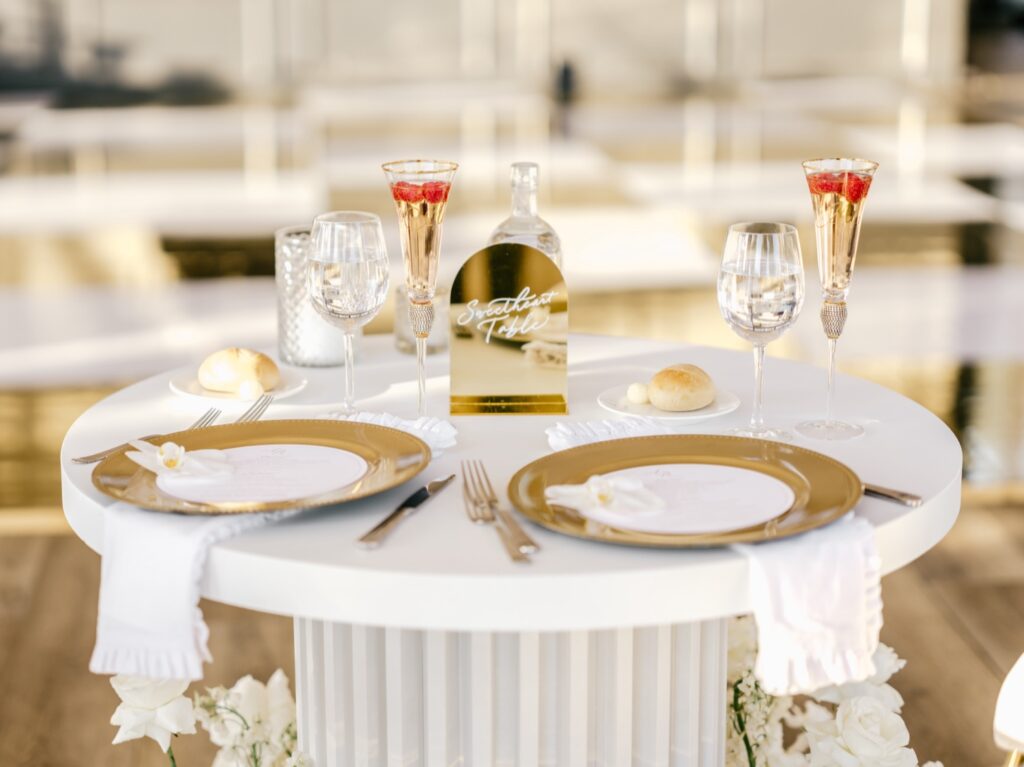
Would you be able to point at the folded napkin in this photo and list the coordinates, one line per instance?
(817, 597)
(149, 622)
(439, 435)
(615, 494)
(818, 606)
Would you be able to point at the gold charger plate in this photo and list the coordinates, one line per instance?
(824, 489)
(392, 457)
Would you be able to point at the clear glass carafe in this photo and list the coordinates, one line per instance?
(524, 226)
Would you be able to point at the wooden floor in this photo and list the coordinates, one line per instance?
(957, 614)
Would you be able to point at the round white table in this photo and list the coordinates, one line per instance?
(435, 649)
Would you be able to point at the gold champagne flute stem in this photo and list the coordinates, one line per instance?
(833, 320)
(830, 391)
(421, 320)
(421, 361)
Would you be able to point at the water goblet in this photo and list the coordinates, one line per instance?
(348, 278)
(760, 294)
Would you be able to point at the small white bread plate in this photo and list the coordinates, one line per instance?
(614, 400)
(184, 383)
(700, 498)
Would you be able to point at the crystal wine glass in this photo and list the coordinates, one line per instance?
(760, 294)
(420, 189)
(348, 277)
(838, 189)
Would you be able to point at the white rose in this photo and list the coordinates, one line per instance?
(151, 708)
(885, 694)
(864, 734)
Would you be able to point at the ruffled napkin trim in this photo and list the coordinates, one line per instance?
(566, 434)
(439, 435)
(127, 648)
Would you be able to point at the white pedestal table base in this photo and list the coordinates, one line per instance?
(381, 697)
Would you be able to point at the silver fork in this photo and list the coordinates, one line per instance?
(206, 419)
(256, 409)
(480, 510)
(522, 541)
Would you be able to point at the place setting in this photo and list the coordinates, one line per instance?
(654, 456)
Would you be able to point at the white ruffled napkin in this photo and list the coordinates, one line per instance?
(566, 434)
(439, 435)
(817, 597)
(818, 606)
(149, 621)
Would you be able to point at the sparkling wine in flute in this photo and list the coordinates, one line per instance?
(839, 188)
(420, 190)
(838, 200)
(420, 210)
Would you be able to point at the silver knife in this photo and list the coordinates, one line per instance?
(373, 538)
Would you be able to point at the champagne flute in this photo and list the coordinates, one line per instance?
(420, 189)
(760, 294)
(348, 278)
(838, 190)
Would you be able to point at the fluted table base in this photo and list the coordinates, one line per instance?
(372, 697)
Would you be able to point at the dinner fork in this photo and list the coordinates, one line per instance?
(206, 419)
(481, 513)
(256, 409)
(486, 493)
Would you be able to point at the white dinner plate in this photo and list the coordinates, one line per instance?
(700, 498)
(614, 400)
(274, 473)
(186, 384)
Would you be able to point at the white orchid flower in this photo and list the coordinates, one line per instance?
(173, 458)
(251, 718)
(151, 708)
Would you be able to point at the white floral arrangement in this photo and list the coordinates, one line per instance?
(252, 723)
(851, 725)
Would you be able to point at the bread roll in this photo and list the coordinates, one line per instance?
(679, 388)
(244, 372)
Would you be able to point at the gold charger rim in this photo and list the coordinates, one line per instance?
(415, 448)
(764, 532)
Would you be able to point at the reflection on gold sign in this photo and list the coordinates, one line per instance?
(509, 334)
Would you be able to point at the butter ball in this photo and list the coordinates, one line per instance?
(637, 394)
(250, 389)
